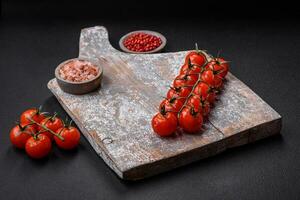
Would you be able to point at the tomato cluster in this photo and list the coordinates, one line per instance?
(191, 95)
(36, 131)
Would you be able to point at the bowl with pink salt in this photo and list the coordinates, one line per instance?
(78, 76)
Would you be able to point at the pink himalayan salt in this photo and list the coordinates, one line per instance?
(78, 71)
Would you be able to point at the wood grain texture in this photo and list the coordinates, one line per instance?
(116, 118)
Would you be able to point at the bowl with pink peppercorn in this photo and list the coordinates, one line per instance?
(143, 42)
(78, 76)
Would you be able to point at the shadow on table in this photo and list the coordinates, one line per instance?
(55, 154)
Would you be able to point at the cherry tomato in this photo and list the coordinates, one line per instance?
(211, 97)
(205, 92)
(224, 65)
(185, 80)
(71, 137)
(52, 123)
(204, 108)
(190, 120)
(173, 104)
(38, 147)
(195, 58)
(20, 134)
(33, 114)
(179, 92)
(201, 89)
(208, 77)
(190, 69)
(218, 81)
(219, 66)
(164, 124)
(199, 105)
(211, 65)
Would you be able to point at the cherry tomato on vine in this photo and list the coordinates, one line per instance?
(173, 104)
(211, 97)
(20, 134)
(190, 69)
(71, 137)
(38, 147)
(223, 64)
(201, 89)
(52, 123)
(195, 58)
(219, 66)
(179, 92)
(185, 80)
(205, 92)
(190, 120)
(33, 114)
(218, 81)
(208, 77)
(164, 124)
(199, 105)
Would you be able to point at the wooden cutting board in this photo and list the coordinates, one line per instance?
(116, 119)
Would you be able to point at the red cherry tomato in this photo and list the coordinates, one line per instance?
(190, 69)
(220, 66)
(52, 123)
(207, 76)
(38, 147)
(204, 108)
(201, 89)
(199, 105)
(211, 65)
(218, 81)
(164, 124)
(185, 80)
(33, 114)
(205, 92)
(20, 134)
(195, 58)
(173, 105)
(71, 137)
(179, 92)
(190, 120)
(211, 97)
(224, 64)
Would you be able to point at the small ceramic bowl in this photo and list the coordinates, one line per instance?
(158, 49)
(79, 87)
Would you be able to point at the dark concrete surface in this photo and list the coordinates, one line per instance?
(264, 53)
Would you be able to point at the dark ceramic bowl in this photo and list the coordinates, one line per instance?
(79, 87)
(158, 49)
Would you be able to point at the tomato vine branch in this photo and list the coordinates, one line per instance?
(47, 129)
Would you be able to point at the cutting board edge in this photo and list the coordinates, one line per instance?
(257, 96)
(245, 137)
(253, 134)
(102, 153)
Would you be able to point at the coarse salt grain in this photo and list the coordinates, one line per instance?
(78, 71)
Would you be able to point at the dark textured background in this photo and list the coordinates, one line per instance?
(261, 39)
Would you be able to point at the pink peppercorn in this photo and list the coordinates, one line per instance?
(142, 42)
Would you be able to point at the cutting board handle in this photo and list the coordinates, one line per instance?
(99, 41)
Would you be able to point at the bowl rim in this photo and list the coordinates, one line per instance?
(155, 33)
(100, 71)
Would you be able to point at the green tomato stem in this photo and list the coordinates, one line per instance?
(47, 129)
